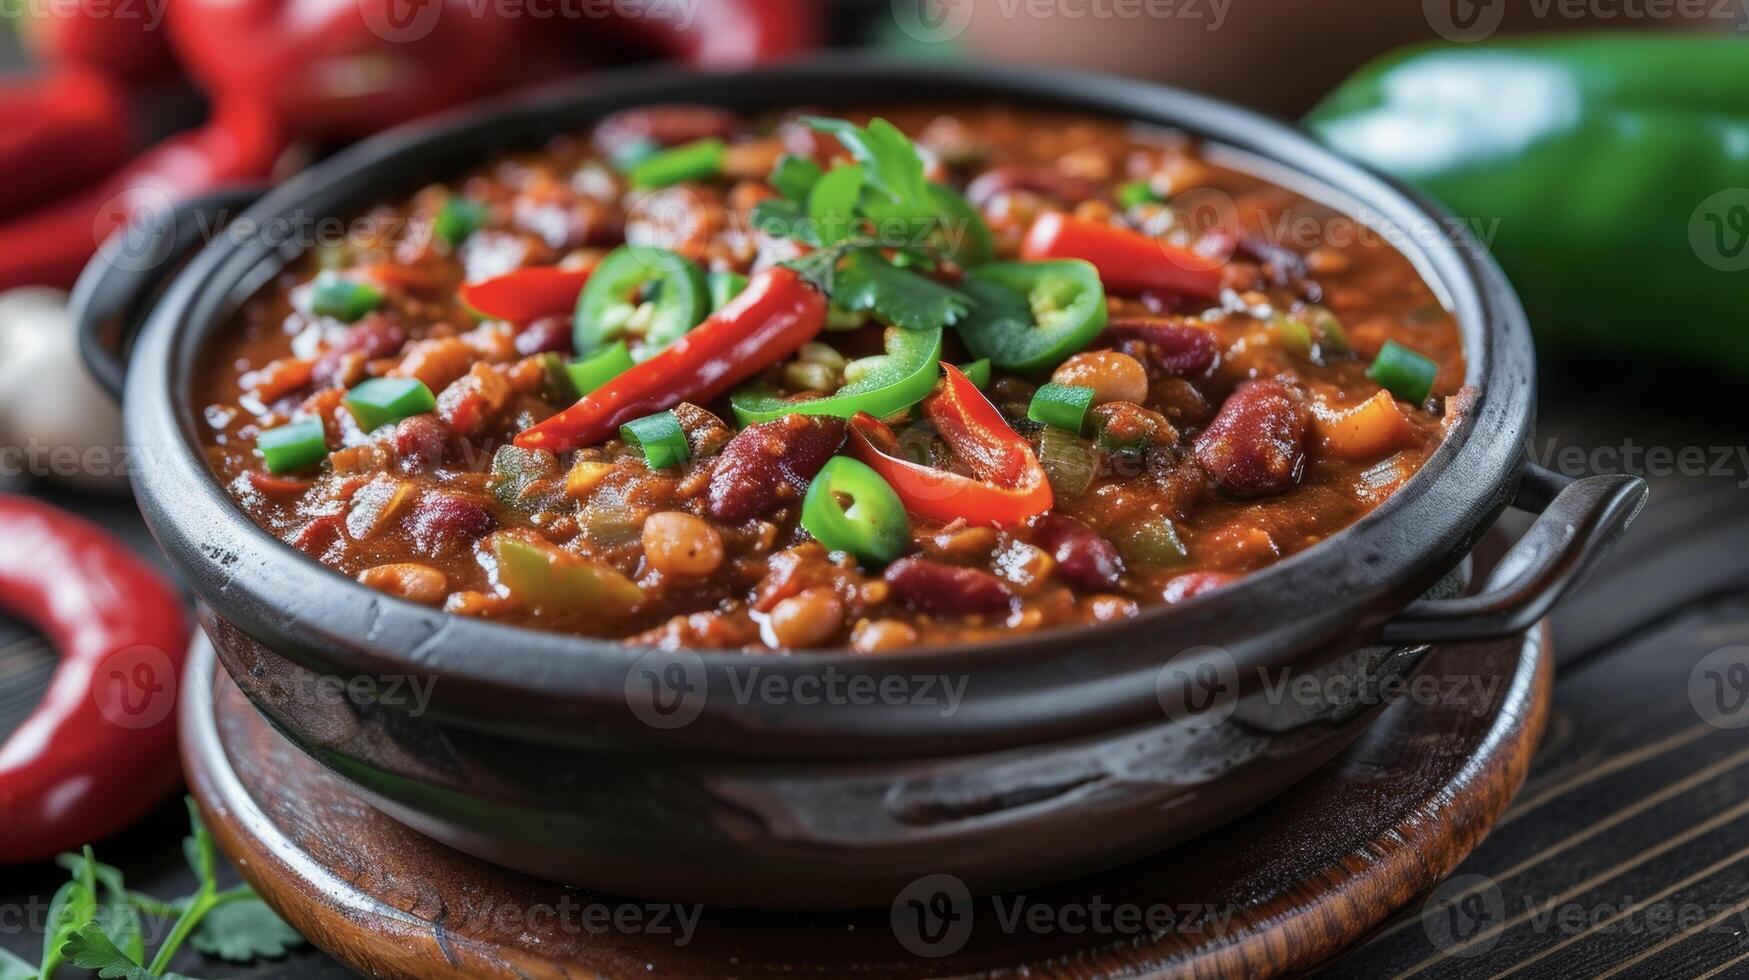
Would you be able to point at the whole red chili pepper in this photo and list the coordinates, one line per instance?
(1010, 487)
(100, 750)
(773, 317)
(1128, 261)
(50, 245)
(58, 132)
(525, 295)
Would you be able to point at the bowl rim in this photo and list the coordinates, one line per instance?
(1335, 593)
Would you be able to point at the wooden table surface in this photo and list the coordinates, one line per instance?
(1627, 852)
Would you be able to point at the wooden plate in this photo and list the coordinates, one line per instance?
(1275, 893)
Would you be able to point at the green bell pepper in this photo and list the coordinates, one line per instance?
(1032, 316)
(884, 385)
(1607, 173)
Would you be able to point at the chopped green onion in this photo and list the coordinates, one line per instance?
(459, 218)
(293, 446)
(660, 437)
(794, 177)
(850, 508)
(1138, 192)
(590, 373)
(1064, 406)
(380, 401)
(725, 286)
(342, 299)
(978, 371)
(1403, 372)
(694, 161)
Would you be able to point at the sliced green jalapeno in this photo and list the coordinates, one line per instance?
(880, 385)
(725, 286)
(640, 290)
(1031, 316)
(872, 525)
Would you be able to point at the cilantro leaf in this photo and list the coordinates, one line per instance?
(794, 177)
(73, 906)
(819, 268)
(198, 848)
(898, 296)
(243, 930)
(832, 204)
(890, 162)
(89, 949)
(783, 219)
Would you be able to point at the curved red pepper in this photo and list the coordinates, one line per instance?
(773, 317)
(50, 245)
(100, 751)
(525, 295)
(1010, 487)
(1128, 261)
(57, 133)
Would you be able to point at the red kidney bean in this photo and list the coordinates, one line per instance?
(440, 520)
(770, 462)
(1048, 181)
(1083, 557)
(937, 587)
(420, 443)
(372, 337)
(666, 125)
(1256, 444)
(1192, 584)
(1177, 349)
(549, 333)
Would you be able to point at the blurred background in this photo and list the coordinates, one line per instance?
(1600, 148)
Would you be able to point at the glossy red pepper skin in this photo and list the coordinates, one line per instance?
(123, 40)
(1128, 261)
(100, 750)
(724, 33)
(59, 132)
(525, 295)
(50, 245)
(773, 317)
(1010, 487)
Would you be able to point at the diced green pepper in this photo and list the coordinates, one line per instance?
(1069, 461)
(342, 299)
(380, 401)
(547, 578)
(1403, 372)
(293, 446)
(700, 160)
(850, 508)
(1137, 192)
(590, 373)
(978, 371)
(1063, 406)
(459, 218)
(725, 286)
(1032, 316)
(660, 437)
(526, 480)
(1153, 540)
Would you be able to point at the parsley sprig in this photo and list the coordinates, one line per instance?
(95, 923)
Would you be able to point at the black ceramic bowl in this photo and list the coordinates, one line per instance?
(743, 780)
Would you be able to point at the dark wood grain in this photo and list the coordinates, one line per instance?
(1273, 894)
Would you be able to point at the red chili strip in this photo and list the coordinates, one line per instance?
(526, 295)
(1128, 261)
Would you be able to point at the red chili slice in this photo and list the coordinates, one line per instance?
(1128, 262)
(526, 295)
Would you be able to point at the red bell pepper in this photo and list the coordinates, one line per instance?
(1128, 261)
(771, 319)
(526, 295)
(50, 245)
(1010, 487)
(59, 132)
(100, 750)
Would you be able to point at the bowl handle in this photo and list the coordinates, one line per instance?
(123, 281)
(1579, 519)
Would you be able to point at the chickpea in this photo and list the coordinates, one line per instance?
(1114, 377)
(806, 619)
(681, 544)
(883, 634)
(409, 580)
